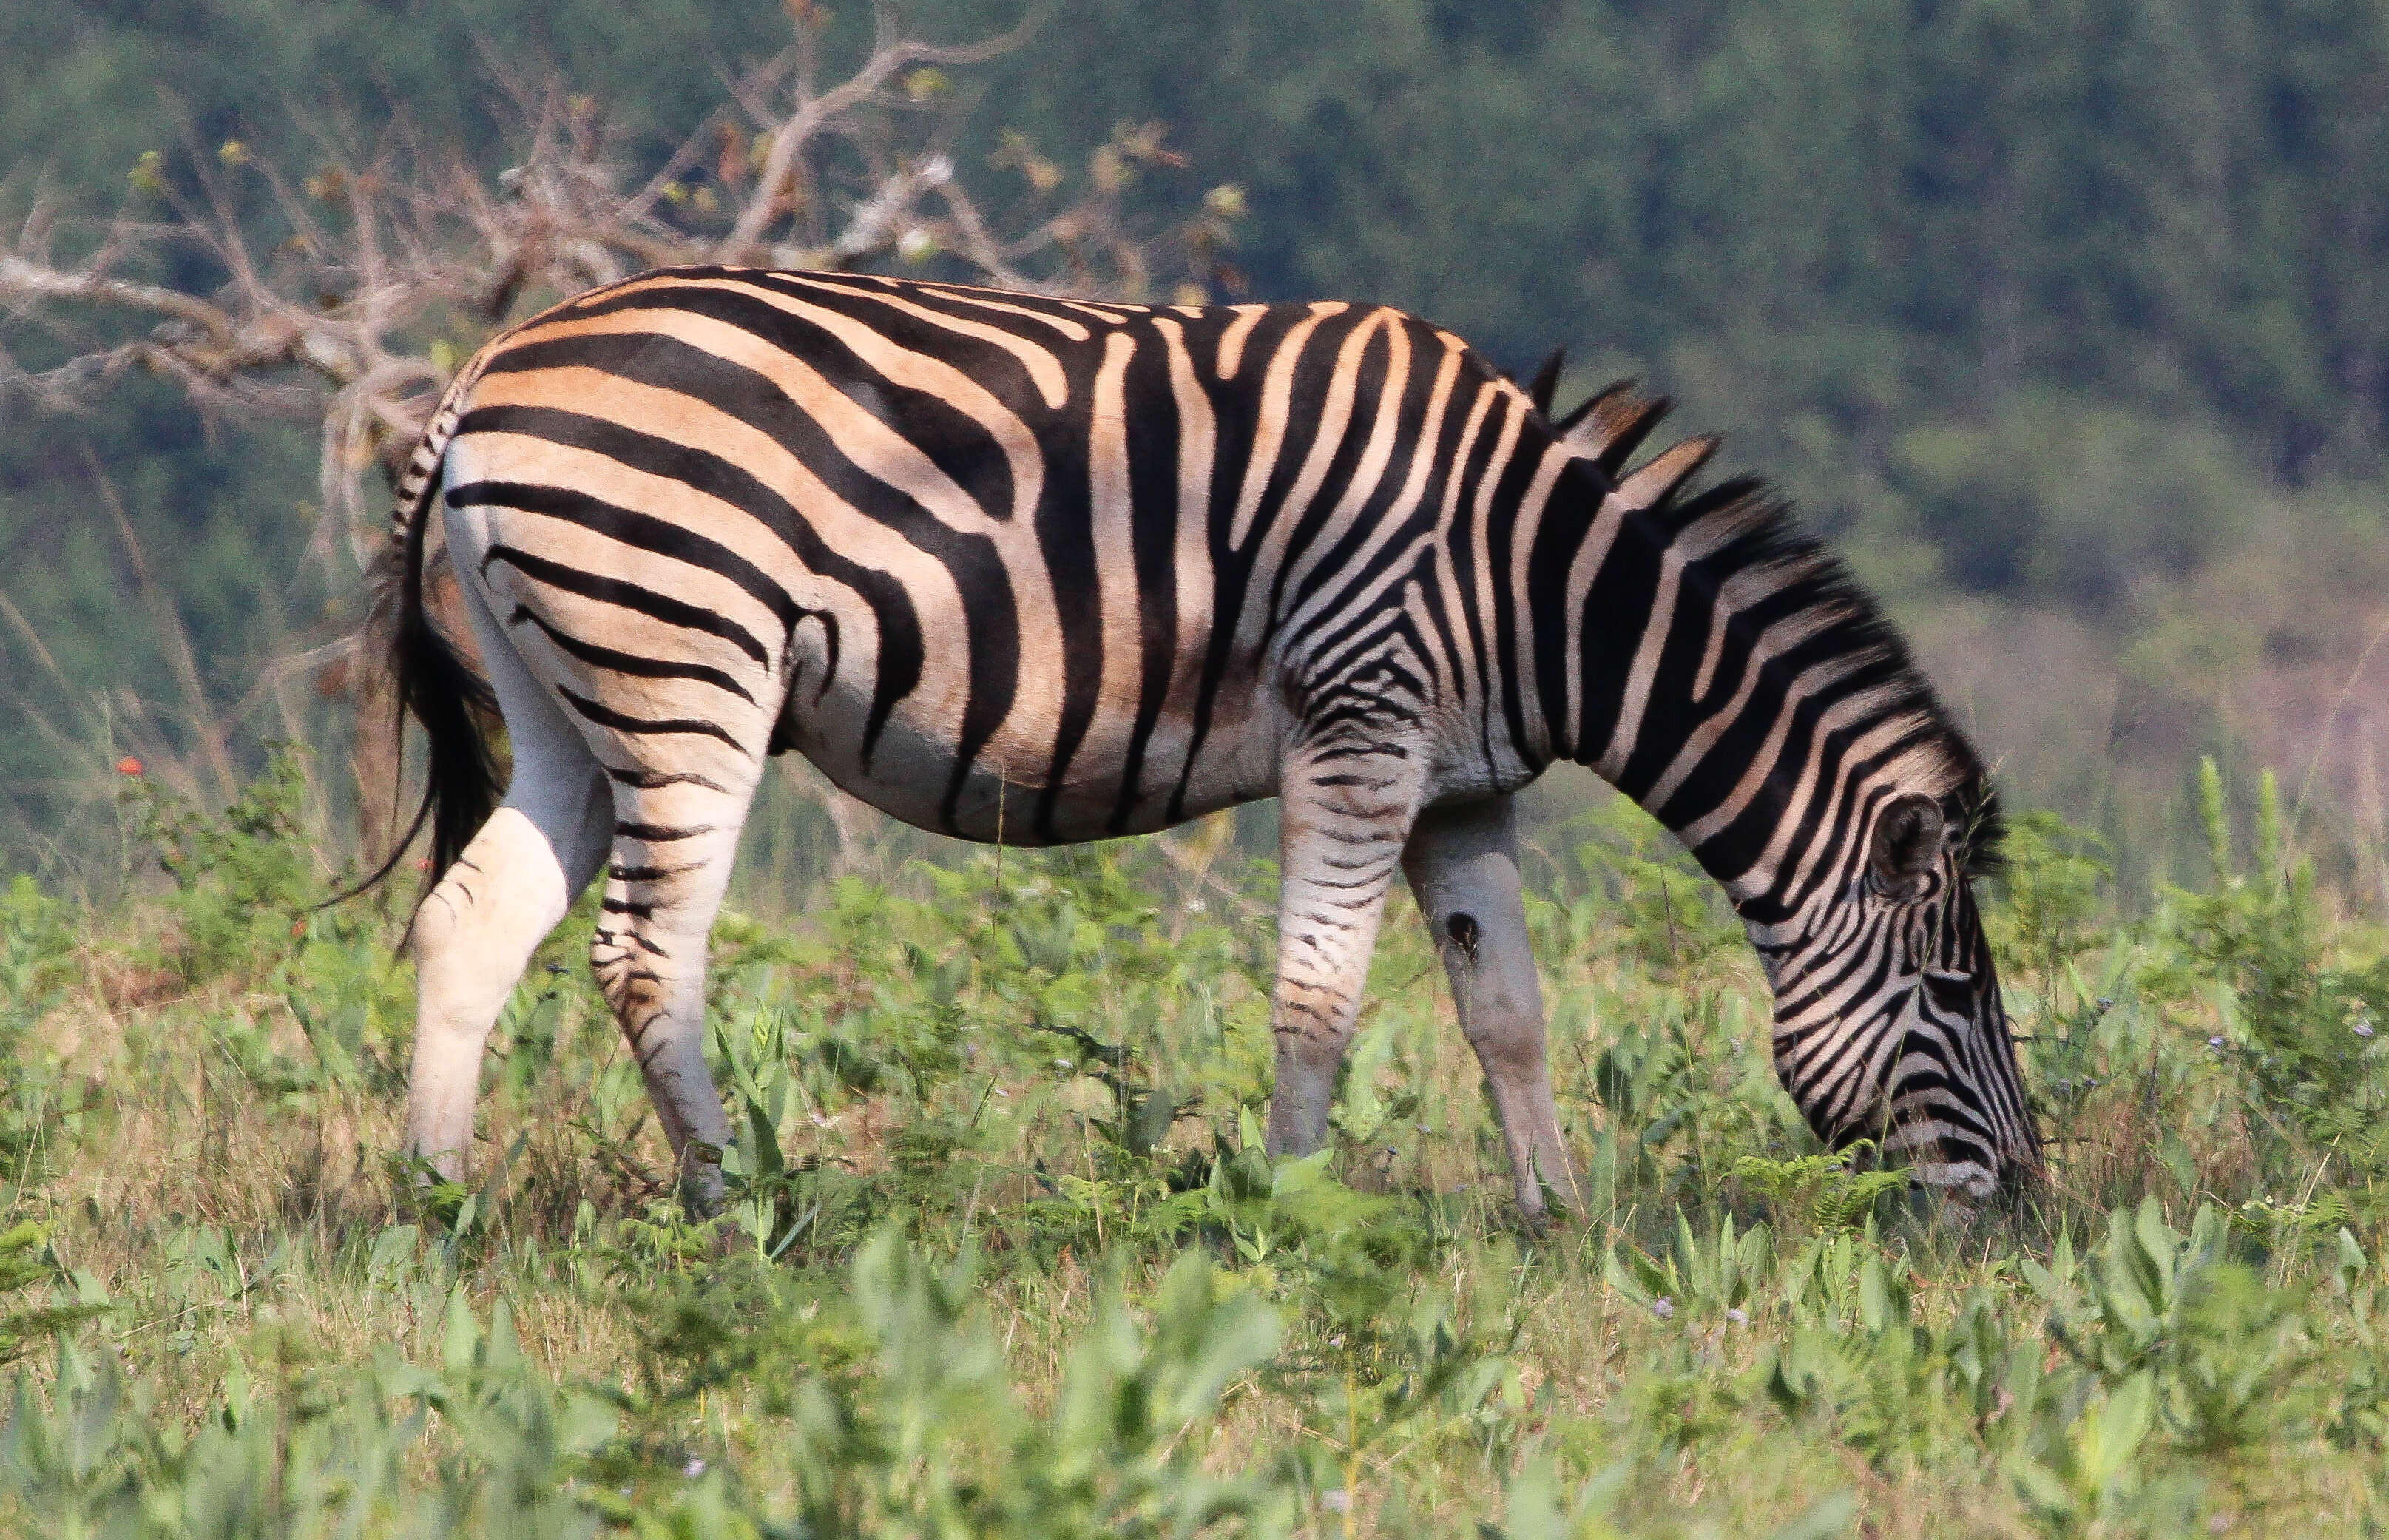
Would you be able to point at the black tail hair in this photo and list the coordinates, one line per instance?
(454, 704)
(432, 682)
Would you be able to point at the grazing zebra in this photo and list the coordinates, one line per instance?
(1035, 570)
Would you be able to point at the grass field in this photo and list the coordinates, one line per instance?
(1004, 1258)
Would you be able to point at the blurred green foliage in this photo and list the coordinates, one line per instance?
(2070, 312)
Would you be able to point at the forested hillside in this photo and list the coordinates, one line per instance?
(2069, 322)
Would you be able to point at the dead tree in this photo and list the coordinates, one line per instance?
(388, 265)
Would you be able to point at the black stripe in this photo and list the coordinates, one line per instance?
(901, 651)
(655, 834)
(1065, 541)
(1155, 453)
(623, 663)
(629, 596)
(642, 532)
(655, 780)
(606, 716)
(651, 874)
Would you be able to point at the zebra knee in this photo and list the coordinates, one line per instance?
(440, 920)
(1509, 1045)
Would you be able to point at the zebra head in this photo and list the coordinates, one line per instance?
(1825, 788)
(1888, 1022)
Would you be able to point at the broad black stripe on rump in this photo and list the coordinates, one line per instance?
(989, 613)
(901, 651)
(629, 596)
(624, 663)
(640, 530)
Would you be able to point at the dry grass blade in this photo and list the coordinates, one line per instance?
(210, 734)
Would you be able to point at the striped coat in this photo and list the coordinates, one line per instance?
(1042, 571)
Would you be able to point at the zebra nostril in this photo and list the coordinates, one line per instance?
(1462, 929)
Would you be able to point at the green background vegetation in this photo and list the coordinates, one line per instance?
(2067, 320)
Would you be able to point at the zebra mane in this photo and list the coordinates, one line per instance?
(1742, 537)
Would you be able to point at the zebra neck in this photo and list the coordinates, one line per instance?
(1715, 667)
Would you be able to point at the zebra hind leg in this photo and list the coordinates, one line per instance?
(1343, 819)
(674, 837)
(476, 929)
(1462, 864)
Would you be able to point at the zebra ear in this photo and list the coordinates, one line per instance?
(1907, 838)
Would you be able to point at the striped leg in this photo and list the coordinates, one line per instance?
(674, 837)
(1462, 864)
(1342, 822)
(479, 927)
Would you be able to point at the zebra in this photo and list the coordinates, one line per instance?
(1041, 569)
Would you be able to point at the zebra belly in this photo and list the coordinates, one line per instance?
(1007, 793)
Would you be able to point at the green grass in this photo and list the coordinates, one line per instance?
(1004, 1257)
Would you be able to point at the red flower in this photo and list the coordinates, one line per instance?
(128, 765)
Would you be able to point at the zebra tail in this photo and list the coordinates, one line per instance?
(430, 678)
(454, 703)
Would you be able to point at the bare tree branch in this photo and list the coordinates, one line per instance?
(390, 263)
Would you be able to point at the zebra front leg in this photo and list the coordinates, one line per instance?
(1463, 866)
(1343, 819)
(675, 836)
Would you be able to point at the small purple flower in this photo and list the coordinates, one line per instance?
(2364, 1029)
(1664, 1307)
(693, 1468)
(2215, 1042)
(1738, 1316)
